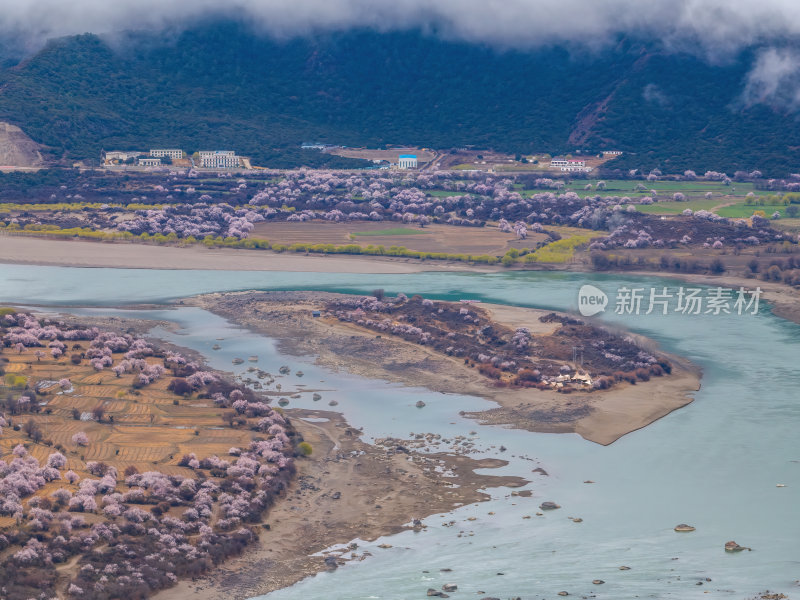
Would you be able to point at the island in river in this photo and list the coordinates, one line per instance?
(547, 372)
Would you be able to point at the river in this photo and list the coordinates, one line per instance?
(714, 464)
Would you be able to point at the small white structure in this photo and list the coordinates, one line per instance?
(149, 162)
(219, 159)
(121, 155)
(171, 153)
(407, 161)
(569, 165)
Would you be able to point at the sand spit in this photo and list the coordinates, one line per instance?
(345, 490)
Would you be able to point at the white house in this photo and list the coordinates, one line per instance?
(219, 159)
(171, 153)
(407, 161)
(149, 162)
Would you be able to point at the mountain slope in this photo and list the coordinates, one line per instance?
(18, 149)
(219, 85)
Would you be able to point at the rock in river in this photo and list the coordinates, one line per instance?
(734, 547)
(549, 505)
(684, 527)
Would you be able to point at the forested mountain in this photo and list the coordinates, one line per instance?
(222, 85)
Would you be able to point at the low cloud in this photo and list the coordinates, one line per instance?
(774, 80)
(716, 26)
(653, 94)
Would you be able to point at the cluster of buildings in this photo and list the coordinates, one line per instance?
(404, 162)
(570, 165)
(207, 159)
(154, 158)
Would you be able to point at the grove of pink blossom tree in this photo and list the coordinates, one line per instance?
(80, 439)
(56, 460)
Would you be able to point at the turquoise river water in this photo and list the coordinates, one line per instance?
(714, 464)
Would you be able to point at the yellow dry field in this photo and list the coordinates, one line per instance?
(433, 238)
(568, 232)
(149, 430)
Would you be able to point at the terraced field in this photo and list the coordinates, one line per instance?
(148, 428)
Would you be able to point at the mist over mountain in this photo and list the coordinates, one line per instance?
(712, 27)
(218, 83)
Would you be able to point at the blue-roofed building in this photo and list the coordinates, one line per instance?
(407, 161)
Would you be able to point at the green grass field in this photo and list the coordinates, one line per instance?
(675, 208)
(693, 189)
(738, 210)
(727, 200)
(742, 211)
(390, 231)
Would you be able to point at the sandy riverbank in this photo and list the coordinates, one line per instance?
(601, 416)
(381, 492)
(77, 253)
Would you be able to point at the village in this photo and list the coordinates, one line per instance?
(394, 158)
(159, 157)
